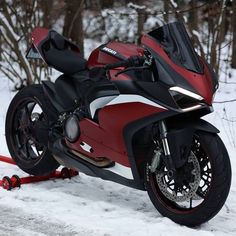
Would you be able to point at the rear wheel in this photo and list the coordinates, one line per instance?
(199, 189)
(28, 109)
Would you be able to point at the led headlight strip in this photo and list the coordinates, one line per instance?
(186, 92)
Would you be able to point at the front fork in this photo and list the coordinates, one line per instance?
(167, 159)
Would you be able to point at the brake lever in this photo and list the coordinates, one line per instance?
(131, 68)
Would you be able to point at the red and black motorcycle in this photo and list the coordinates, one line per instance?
(130, 114)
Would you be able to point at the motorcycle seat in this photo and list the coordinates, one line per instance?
(62, 54)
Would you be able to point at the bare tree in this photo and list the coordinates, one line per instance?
(193, 16)
(141, 17)
(166, 10)
(73, 25)
(17, 20)
(234, 34)
(106, 3)
(216, 34)
(47, 7)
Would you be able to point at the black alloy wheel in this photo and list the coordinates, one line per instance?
(198, 190)
(29, 115)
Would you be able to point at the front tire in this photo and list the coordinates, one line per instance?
(212, 190)
(28, 107)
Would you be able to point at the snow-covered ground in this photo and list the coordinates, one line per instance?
(90, 206)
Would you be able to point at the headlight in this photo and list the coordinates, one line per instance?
(186, 92)
(185, 99)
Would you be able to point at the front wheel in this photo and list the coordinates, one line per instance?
(199, 189)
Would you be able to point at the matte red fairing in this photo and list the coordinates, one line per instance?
(38, 35)
(100, 58)
(126, 49)
(202, 83)
(106, 138)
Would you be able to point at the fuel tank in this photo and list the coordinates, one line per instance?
(113, 52)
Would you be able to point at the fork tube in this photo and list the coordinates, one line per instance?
(163, 132)
(163, 136)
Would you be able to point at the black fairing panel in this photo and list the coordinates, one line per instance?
(159, 92)
(66, 90)
(102, 88)
(50, 92)
(154, 91)
(73, 90)
(61, 54)
(167, 75)
(126, 87)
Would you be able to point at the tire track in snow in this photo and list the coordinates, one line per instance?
(17, 222)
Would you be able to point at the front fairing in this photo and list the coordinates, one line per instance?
(176, 62)
(176, 43)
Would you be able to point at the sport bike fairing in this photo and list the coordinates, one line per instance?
(135, 99)
(179, 79)
(177, 63)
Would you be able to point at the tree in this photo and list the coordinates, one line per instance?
(17, 20)
(73, 25)
(234, 34)
(193, 16)
(141, 17)
(166, 10)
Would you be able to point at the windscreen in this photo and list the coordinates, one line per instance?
(175, 41)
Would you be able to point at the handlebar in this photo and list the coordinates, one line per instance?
(134, 61)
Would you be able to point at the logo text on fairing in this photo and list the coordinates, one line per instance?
(109, 50)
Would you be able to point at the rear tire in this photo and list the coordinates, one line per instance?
(28, 106)
(214, 195)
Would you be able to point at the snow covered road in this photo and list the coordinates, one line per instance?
(89, 206)
(17, 222)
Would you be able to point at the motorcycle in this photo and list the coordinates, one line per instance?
(129, 114)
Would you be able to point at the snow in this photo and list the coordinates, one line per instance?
(135, 6)
(196, 33)
(173, 3)
(4, 21)
(92, 207)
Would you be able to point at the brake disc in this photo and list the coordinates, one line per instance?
(173, 191)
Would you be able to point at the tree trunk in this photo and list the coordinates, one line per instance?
(234, 35)
(73, 25)
(141, 19)
(106, 4)
(166, 10)
(193, 16)
(47, 7)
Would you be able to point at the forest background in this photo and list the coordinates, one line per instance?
(210, 24)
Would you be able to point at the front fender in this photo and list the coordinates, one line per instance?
(203, 125)
(180, 139)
